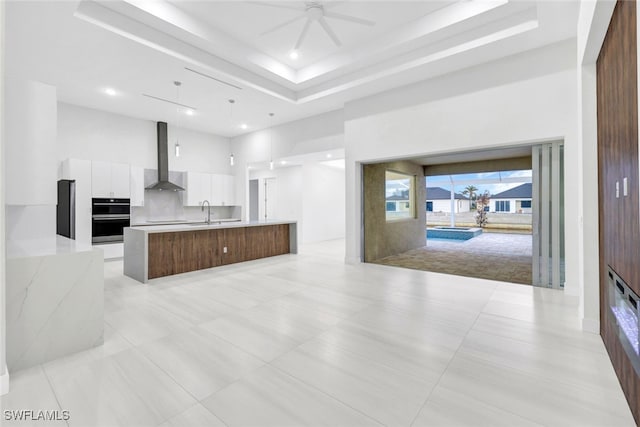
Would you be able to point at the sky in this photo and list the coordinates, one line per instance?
(444, 181)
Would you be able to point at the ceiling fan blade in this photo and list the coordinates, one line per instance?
(329, 31)
(349, 18)
(284, 24)
(300, 8)
(303, 34)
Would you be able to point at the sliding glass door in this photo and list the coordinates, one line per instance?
(548, 215)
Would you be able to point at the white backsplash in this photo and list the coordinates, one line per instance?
(168, 205)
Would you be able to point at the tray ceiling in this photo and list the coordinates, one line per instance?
(224, 49)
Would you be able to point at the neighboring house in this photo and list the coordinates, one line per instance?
(439, 200)
(398, 202)
(514, 200)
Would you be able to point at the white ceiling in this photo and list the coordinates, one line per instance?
(141, 46)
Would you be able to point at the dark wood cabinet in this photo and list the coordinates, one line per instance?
(619, 217)
(182, 251)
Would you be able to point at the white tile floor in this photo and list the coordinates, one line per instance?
(304, 339)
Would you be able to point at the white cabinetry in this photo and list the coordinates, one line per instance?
(198, 188)
(110, 180)
(229, 191)
(120, 180)
(137, 186)
(217, 189)
(222, 190)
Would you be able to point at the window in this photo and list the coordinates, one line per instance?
(525, 203)
(503, 206)
(399, 191)
(429, 206)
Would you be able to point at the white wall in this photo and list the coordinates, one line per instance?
(288, 203)
(319, 133)
(31, 174)
(31, 142)
(312, 194)
(525, 98)
(323, 201)
(4, 375)
(89, 134)
(593, 23)
(445, 205)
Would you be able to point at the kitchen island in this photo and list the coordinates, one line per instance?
(163, 250)
(54, 299)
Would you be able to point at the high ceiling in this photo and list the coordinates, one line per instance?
(242, 50)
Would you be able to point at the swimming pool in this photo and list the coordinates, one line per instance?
(453, 233)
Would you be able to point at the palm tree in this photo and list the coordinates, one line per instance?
(471, 191)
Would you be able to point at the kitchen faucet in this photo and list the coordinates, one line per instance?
(208, 210)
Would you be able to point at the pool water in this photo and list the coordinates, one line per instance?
(453, 233)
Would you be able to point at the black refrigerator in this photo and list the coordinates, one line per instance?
(66, 209)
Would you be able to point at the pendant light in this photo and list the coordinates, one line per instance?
(231, 102)
(271, 142)
(177, 146)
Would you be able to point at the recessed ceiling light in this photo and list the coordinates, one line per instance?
(110, 91)
(244, 126)
(189, 112)
(283, 162)
(329, 156)
(294, 54)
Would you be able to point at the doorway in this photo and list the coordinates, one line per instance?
(270, 198)
(470, 240)
(254, 200)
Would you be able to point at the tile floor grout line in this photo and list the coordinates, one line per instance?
(269, 364)
(55, 396)
(334, 292)
(175, 381)
(323, 392)
(452, 359)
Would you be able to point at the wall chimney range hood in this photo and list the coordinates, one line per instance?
(163, 162)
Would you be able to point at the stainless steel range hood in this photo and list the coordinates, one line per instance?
(163, 162)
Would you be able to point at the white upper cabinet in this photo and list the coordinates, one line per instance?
(137, 186)
(229, 191)
(101, 179)
(194, 192)
(110, 180)
(217, 189)
(223, 190)
(120, 180)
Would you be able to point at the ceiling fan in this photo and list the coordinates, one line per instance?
(313, 11)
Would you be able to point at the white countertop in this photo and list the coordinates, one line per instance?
(168, 228)
(180, 221)
(54, 245)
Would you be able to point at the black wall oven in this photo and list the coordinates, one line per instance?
(108, 219)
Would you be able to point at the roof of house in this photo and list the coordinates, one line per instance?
(439, 193)
(520, 192)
